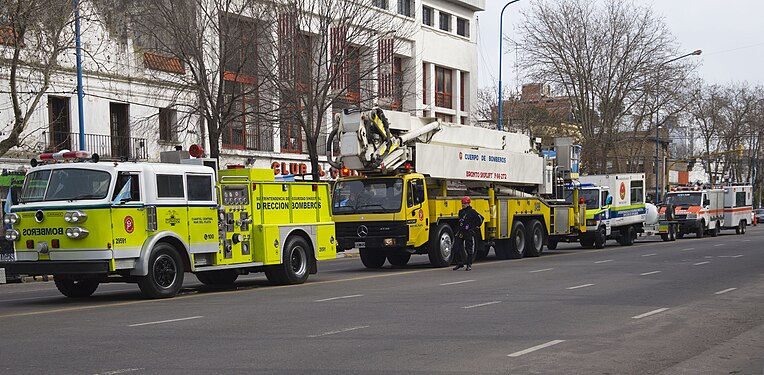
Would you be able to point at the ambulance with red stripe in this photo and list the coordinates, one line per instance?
(738, 205)
(697, 210)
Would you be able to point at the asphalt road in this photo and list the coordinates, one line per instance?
(694, 306)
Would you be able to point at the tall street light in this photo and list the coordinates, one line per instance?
(501, 52)
(657, 114)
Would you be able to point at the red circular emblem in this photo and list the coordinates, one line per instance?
(421, 215)
(623, 191)
(129, 224)
(460, 155)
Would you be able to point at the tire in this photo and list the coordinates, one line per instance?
(536, 238)
(74, 288)
(599, 238)
(716, 230)
(551, 243)
(665, 237)
(701, 230)
(587, 242)
(220, 277)
(743, 227)
(518, 241)
(441, 247)
(165, 273)
(398, 258)
(481, 250)
(295, 263)
(372, 258)
(628, 235)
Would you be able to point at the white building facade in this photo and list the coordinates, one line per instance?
(131, 113)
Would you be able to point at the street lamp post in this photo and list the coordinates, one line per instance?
(501, 52)
(657, 114)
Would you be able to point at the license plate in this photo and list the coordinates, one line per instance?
(2, 275)
(360, 245)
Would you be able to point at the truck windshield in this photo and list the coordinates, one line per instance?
(67, 184)
(590, 196)
(368, 196)
(683, 199)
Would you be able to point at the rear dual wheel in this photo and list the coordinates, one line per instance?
(295, 265)
(536, 238)
(75, 288)
(220, 277)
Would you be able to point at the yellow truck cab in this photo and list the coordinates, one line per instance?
(88, 223)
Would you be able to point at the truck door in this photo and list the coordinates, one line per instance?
(128, 216)
(417, 212)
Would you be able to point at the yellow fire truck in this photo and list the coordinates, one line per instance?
(414, 172)
(88, 223)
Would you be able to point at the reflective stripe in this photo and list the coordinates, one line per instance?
(204, 247)
(26, 255)
(127, 252)
(81, 255)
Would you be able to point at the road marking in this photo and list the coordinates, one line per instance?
(542, 270)
(649, 273)
(718, 256)
(746, 240)
(339, 331)
(649, 255)
(336, 298)
(579, 286)
(533, 349)
(737, 256)
(120, 371)
(719, 244)
(166, 321)
(603, 261)
(725, 291)
(458, 282)
(482, 304)
(640, 316)
(700, 263)
(688, 249)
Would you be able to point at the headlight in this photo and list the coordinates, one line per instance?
(591, 222)
(11, 218)
(76, 233)
(75, 217)
(12, 235)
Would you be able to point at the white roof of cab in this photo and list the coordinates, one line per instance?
(111, 167)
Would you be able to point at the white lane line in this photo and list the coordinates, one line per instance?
(730, 256)
(458, 282)
(737, 256)
(481, 304)
(719, 244)
(649, 273)
(120, 371)
(649, 255)
(338, 331)
(166, 321)
(746, 240)
(700, 263)
(537, 347)
(688, 249)
(725, 291)
(542, 270)
(336, 298)
(640, 316)
(579, 286)
(603, 261)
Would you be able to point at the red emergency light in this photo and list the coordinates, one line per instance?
(196, 151)
(345, 171)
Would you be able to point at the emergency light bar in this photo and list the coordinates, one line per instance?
(65, 155)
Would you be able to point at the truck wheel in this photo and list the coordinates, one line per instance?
(743, 224)
(535, 239)
(220, 277)
(518, 241)
(165, 275)
(600, 238)
(372, 258)
(441, 249)
(398, 258)
(501, 249)
(551, 243)
(295, 265)
(628, 235)
(701, 230)
(665, 237)
(587, 242)
(74, 288)
(716, 230)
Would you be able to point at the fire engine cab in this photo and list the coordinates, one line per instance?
(93, 222)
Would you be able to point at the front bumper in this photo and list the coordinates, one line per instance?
(38, 268)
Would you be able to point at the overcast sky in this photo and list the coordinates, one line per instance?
(730, 33)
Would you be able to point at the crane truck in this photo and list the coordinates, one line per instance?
(413, 172)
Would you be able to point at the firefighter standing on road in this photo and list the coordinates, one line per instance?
(469, 222)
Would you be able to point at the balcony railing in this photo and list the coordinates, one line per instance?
(107, 147)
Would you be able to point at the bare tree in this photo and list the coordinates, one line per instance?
(34, 34)
(609, 57)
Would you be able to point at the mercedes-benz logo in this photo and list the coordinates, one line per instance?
(363, 231)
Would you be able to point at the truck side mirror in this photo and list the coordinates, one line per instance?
(609, 200)
(707, 202)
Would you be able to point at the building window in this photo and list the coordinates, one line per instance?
(462, 27)
(397, 84)
(443, 88)
(380, 4)
(462, 79)
(445, 21)
(291, 131)
(168, 121)
(444, 117)
(404, 7)
(427, 16)
(424, 83)
(465, 121)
